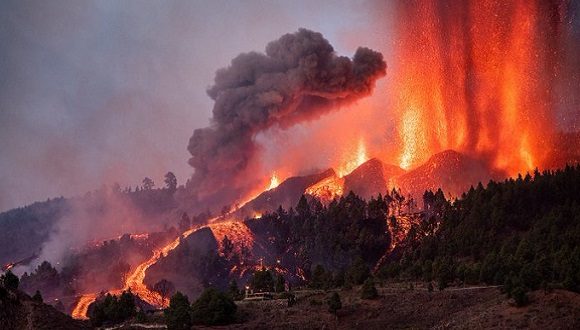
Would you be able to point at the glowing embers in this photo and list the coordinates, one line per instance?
(353, 160)
(333, 186)
(411, 136)
(327, 189)
(239, 235)
(477, 78)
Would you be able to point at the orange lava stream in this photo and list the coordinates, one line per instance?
(135, 281)
(82, 306)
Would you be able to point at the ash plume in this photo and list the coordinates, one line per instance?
(299, 78)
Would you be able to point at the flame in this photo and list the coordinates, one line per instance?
(353, 162)
(475, 77)
(274, 182)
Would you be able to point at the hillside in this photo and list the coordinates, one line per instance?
(401, 308)
(19, 311)
(449, 170)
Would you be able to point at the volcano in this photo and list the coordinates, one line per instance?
(286, 194)
(449, 170)
(371, 178)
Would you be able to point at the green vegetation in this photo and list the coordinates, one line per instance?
(178, 314)
(522, 233)
(9, 281)
(112, 309)
(262, 281)
(348, 232)
(213, 308)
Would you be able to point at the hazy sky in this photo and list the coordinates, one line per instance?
(96, 92)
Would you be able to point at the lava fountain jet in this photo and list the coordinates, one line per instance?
(477, 77)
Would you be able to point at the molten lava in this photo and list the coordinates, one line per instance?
(353, 160)
(274, 182)
(476, 77)
(333, 186)
(135, 281)
(82, 306)
(328, 189)
(236, 231)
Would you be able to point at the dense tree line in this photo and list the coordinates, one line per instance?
(333, 236)
(522, 233)
(112, 309)
(213, 307)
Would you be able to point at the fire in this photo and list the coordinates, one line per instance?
(475, 77)
(353, 162)
(274, 182)
(411, 136)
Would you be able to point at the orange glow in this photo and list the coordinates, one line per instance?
(81, 308)
(353, 160)
(474, 76)
(274, 182)
(328, 189)
(236, 231)
(135, 281)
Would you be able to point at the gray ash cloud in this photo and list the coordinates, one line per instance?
(298, 78)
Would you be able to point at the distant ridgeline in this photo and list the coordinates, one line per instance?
(24, 230)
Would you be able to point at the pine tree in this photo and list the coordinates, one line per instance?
(334, 303)
(37, 297)
(177, 315)
(368, 289)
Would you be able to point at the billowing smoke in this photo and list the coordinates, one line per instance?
(299, 78)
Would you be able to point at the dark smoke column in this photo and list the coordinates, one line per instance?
(299, 78)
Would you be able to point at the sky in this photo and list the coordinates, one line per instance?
(98, 92)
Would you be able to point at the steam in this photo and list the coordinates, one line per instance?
(299, 78)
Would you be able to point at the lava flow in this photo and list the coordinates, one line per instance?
(135, 281)
(81, 308)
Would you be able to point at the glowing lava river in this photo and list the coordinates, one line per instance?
(135, 281)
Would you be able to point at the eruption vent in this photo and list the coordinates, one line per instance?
(477, 76)
(299, 78)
